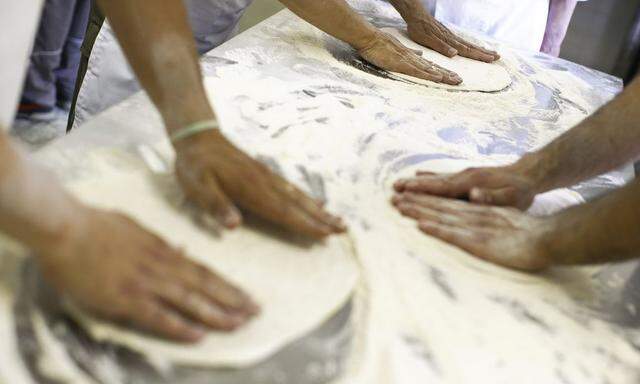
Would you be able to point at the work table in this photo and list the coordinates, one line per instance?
(307, 93)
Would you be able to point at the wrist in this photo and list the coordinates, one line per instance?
(533, 168)
(202, 140)
(366, 40)
(184, 112)
(52, 244)
(562, 240)
(412, 11)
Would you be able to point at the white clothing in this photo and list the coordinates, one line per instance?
(18, 23)
(109, 79)
(520, 23)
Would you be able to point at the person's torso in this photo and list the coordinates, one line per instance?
(521, 23)
(18, 25)
(214, 21)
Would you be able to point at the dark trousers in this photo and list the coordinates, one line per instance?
(55, 58)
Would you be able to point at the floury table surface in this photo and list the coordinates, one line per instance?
(308, 91)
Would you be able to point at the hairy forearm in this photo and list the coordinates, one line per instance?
(605, 230)
(607, 140)
(159, 45)
(34, 208)
(336, 18)
(560, 13)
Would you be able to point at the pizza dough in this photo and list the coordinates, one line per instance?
(476, 75)
(298, 287)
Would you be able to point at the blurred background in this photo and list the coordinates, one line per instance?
(604, 34)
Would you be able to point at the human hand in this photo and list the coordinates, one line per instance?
(386, 52)
(116, 269)
(429, 32)
(216, 175)
(504, 236)
(502, 186)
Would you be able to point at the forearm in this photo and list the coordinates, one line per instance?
(605, 230)
(158, 42)
(410, 9)
(336, 18)
(34, 208)
(605, 141)
(560, 13)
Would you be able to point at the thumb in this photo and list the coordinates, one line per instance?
(216, 202)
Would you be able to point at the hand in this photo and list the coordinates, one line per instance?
(503, 236)
(215, 175)
(429, 32)
(386, 52)
(503, 186)
(116, 269)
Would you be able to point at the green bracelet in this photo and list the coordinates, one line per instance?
(193, 129)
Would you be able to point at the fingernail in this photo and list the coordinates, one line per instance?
(195, 334)
(232, 218)
(339, 223)
(411, 185)
(476, 195)
(452, 52)
(253, 307)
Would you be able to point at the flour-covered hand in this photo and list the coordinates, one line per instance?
(502, 186)
(114, 268)
(504, 236)
(386, 52)
(425, 30)
(219, 178)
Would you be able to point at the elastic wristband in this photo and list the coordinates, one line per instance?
(193, 129)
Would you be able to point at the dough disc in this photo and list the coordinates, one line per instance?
(298, 287)
(476, 75)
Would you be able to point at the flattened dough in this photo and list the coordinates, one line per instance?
(297, 287)
(476, 75)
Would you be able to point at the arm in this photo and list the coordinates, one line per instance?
(604, 141)
(214, 174)
(606, 230)
(95, 257)
(560, 13)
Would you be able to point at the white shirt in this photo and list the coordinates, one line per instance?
(521, 23)
(18, 23)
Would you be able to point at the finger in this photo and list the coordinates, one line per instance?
(196, 306)
(312, 208)
(471, 51)
(439, 46)
(439, 185)
(445, 205)
(499, 197)
(448, 77)
(150, 315)
(422, 213)
(425, 173)
(201, 279)
(215, 201)
(300, 222)
(462, 238)
(422, 72)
